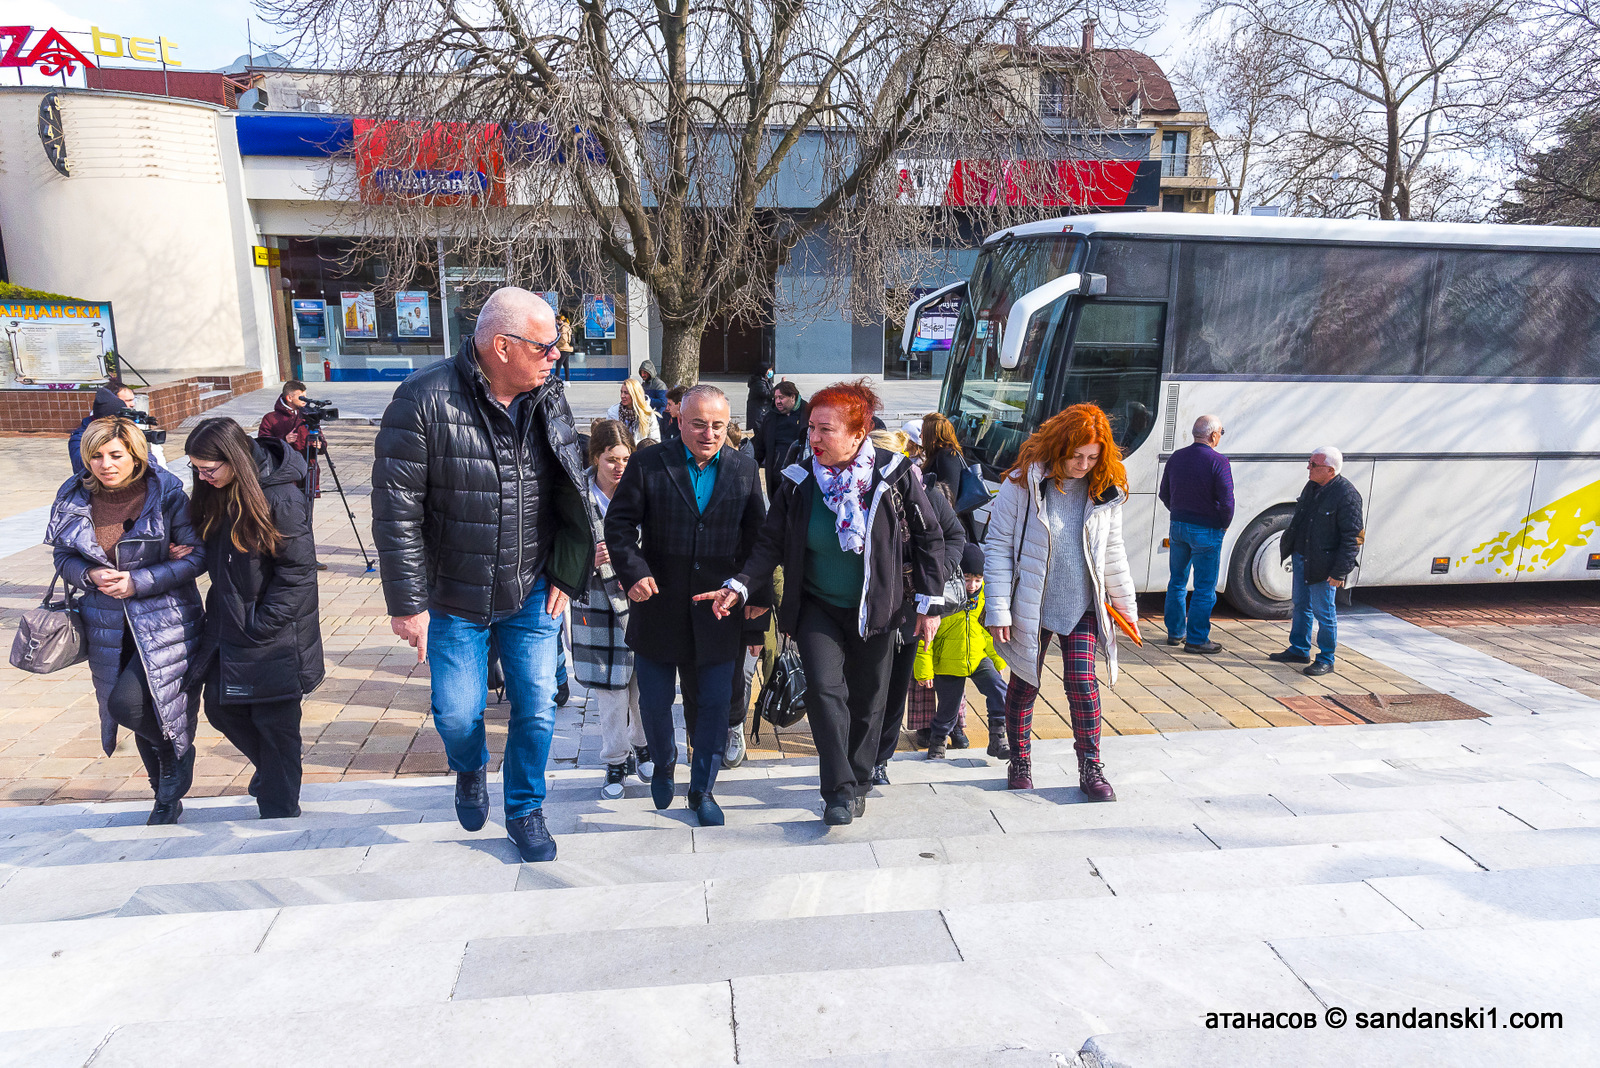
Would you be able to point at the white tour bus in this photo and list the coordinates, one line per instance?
(1456, 366)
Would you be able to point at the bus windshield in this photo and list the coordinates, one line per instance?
(993, 407)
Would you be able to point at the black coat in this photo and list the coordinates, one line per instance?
(261, 610)
(1331, 518)
(758, 402)
(946, 468)
(459, 497)
(654, 530)
(896, 493)
(777, 433)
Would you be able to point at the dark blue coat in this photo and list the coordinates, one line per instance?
(165, 611)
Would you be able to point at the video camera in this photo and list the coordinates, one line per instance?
(143, 420)
(315, 411)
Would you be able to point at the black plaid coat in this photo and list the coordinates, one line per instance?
(654, 529)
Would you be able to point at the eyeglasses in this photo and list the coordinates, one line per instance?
(1313, 464)
(207, 472)
(544, 347)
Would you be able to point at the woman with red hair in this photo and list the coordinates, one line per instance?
(1055, 565)
(853, 529)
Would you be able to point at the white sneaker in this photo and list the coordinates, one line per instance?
(734, 754)
(613, 789)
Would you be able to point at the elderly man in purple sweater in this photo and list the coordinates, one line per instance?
(1197, 488)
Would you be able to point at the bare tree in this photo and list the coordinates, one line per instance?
(1383, 99)
(698, 145)
(1559, 185)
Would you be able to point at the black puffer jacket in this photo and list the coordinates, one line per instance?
(261, 611)
(164, 611)
(896, 493)
(466, 512)
(1330, 519)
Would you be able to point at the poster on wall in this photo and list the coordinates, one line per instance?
(936, 326)
(54, 345)
(310, 323)
(360, 314)
(599, 316)
(551, 297)
(411, 315)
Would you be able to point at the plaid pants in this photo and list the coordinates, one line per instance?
(1083, 694)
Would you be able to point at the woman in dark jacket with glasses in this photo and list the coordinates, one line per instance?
(262, 650)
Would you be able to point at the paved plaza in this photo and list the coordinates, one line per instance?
(1270, 852)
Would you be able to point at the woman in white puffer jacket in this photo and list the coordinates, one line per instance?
(1053, 560)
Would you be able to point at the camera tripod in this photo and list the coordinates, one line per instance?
(314, 440)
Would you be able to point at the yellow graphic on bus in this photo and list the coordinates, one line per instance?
(1546, 535)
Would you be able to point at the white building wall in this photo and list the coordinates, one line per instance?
(148, 220)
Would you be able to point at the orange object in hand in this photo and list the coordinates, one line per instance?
(1121, 621)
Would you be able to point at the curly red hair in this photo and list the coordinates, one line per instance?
(1065, 433)
(854, 401)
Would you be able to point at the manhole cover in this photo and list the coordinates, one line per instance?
(1405, 707)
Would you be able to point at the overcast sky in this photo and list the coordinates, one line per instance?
(211, 33)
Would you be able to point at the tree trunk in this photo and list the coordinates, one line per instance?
(680, 353)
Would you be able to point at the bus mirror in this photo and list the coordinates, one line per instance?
(1094, 285)
(913, 313)
(1029, 305)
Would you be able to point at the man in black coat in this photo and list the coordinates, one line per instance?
(1322, 542)
(779, 431)
(683, 519)
(482, 531)
(109, 399)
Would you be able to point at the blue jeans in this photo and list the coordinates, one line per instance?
(1200, 548)
(1313, 600)
(458, 652)
(658, 685)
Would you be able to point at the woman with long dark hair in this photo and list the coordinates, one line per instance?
(263, 645)
(844, 524)
(1055, 566)
(121, 532)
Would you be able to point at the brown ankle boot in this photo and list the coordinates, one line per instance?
(1092, 781)
(1019, 774)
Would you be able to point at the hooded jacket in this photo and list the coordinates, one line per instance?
(900, 527)
(961, 644)
(164, 613)
(1016, 555)
(106, 403)
(261, 611)
(459, 494)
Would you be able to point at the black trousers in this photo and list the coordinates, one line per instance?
(268, 734)
(134, 709)
(846, 679)
(901, 665)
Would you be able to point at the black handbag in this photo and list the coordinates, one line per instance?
(783, 698)
(52, 636)
(974, 492)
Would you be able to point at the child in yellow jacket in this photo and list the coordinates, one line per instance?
(964, 649)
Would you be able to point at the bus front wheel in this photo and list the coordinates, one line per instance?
(1260, 583)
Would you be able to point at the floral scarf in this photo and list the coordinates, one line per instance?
(844, 489)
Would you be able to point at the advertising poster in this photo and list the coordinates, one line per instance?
(310, 323)
(599, 316)
(551, 297)
(54, 345)
(411, 315)
(936, 325)
(360, 314)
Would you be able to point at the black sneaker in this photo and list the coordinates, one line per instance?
(1204, 647)
(643, 765)
(858, 808)
(616, 775)
(936, 748)
(838, 813)
(164, 813)
(959, 740)
(472, 798)
(531, 837)
(923, 737)
(880, 775)
(1321, 667)
(999, 748)
(563, 694)
(1174, 641)
(1289, 656)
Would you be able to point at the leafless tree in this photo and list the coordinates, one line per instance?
(698, 145)
(1384, 102)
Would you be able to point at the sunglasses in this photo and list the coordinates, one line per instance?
(544, 347)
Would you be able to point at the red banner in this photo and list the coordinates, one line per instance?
(434, 163)
(966, 183)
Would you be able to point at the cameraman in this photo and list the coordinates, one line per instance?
(286, 423)
(110, 399)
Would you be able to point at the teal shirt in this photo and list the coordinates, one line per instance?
(832, 575)
(703, 479)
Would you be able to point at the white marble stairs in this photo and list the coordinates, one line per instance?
(958, 923)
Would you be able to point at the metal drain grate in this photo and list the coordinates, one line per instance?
(1405, 707)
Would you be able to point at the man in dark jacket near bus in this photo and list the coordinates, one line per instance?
(482, 532)
(1322, 542)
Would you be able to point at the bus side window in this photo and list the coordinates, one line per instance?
(1116, 364)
